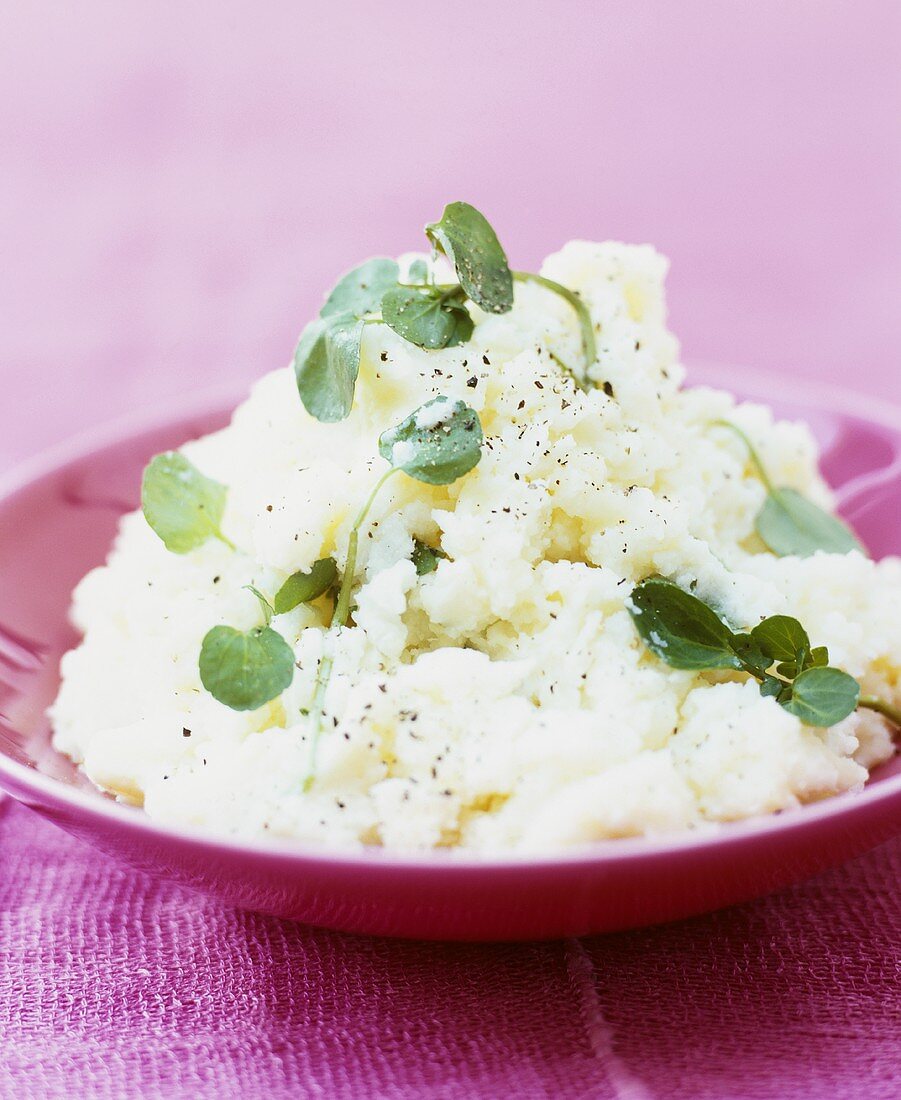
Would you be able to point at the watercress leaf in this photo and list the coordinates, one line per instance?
(679, 628)
(772, 686)
(302, 587)
(752, 657)
(418, 272)
(469, 242)
(438, 443)
(426, 557)
(823, 696)
(788, 669)
(360, 291)
(326, 364)
(819, 657)
(782, 638)
(245, 668)
(791, 524)
(180, 504)
(426, 317)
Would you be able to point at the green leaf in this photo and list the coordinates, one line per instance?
(469, 242)
(752, 657)
(823, 696)
(782, 638)
(426, 558)
(438, 443)
(360, 291)
(679, 628)
(819, 657)
(773, 686)
(302, 587)
(419, 272)
(427, 317)
(180, 504)
(326, 364)
(791, 524)
(245, 669)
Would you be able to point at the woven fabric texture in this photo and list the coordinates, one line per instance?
(115, 985)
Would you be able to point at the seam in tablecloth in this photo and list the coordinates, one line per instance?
(579, 967)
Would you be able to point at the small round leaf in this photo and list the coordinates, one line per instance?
(326, 364)
(466, 238)
(782, 638)
(181, 505)
(426, 317)
(438, 443)
(360, 291)
(791, 524)
(823, 696)
(245, 668)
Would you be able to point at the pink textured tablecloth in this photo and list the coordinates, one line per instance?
(179, 183)
(112, 984)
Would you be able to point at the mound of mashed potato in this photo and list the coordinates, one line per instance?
(503, 702)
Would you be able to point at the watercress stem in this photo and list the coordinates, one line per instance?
(316, 713)
(342, 607)
(585, 326)
(567, 369)
(756, 460)
(228, 542)
(887, 710)
(339, 619)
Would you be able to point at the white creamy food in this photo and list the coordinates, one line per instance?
(503, 702)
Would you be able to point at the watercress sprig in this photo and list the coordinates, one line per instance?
(327, 357)
(789, 523)
(241, 668)
(436, 444)
(686, 633)
(182, 505)
(244, 669)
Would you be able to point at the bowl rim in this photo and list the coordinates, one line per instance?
(25, 783)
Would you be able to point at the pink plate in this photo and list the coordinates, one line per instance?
(56, 520)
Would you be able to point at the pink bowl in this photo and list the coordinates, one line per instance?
(57, 517)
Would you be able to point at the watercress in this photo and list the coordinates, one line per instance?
(244, 669)
(326, 365)
(428, 316)
(180, 504)
(436, 444)
(789, 523)
(327, 357)
(360, 291)
(425, 558)
(302, 587)
(464, 235)
(686, 633)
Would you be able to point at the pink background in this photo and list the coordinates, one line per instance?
(179, 183)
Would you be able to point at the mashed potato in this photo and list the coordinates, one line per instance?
(504, 701)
